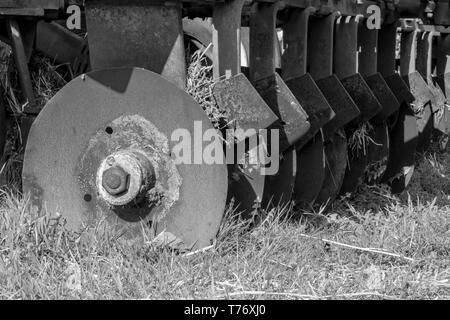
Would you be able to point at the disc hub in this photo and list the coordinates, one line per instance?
(124, 176)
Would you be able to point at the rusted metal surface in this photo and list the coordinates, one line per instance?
(293, 119)
(320, 46)
(295, 42)
(438, 99)
(364, 98)
(385, 97)
(134, 109)
(279, 187)
(294, 122)
(349, 82)
(133, 136)
(442, 55)
(367, 49)
(403, 142)
(344, 107)
(368, 68)
(2, 121)
(386, 49)
(246, 109)
(313, 102)
(442, 13)
(294, 66)
(244, 106)
(354, 172)
(345, 58)
(425, 125)
(422, 107)
(310, 158)
(137, 34)
(408, 71)
(424, 66)
(128, 177)
(310, 172)
(226, 30)
(378, 152)
(442, 119)
(44, 4)
(335, 166)
(386, 55)
(346, 65)
(345, 53)
(419, 89)
(320, 63)
(374, 162)
(21, 61)
(423, 96)
(246, 189)
(399, 88)
(262, 40)
(62, 46)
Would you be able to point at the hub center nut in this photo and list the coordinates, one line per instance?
(123, 180)
(115, 180)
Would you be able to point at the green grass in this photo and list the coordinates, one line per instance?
(373, 246)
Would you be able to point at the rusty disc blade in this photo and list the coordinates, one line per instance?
(310, 172)
(245, 189)
(354, 174)
(403, 142)
(425, 125)
(279, 187)
(113, 110)
(2, 123)
(378, 151)
(335, 165)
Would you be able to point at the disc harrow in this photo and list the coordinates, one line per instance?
(317, 96)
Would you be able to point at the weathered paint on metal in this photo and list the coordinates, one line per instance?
(53, 178)
(136, 34)
(294, 122)
(226, 31)
(385, 97)
(244, 106)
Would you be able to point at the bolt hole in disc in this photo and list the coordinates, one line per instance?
(109, 130)
(183, 202)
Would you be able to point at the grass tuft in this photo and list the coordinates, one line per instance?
(199, 85)
(360, 139)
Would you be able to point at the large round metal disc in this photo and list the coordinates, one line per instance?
(335, 165)
(442, 120)
(245, 190)
(107, 111)
(279, 187)
(378, 154)
(310, 172)
(358, 158)
(425, 125)
(354, 174)
(403, 141)
(2, 124)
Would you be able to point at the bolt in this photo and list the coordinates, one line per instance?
(115, 180)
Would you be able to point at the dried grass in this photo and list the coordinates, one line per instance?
(360, 139)
(199, 85)
(47, 80)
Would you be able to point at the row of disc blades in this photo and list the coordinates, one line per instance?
(133, 109)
